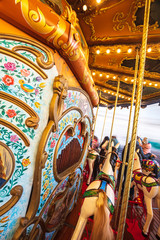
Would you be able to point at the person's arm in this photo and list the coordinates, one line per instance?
(105, 144)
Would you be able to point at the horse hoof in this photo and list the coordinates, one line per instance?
(144, 235)
(158, 237)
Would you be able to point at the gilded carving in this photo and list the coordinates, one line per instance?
(16, 130)
(121, 20)
(31, 121)
(24, 60)
(34, 18)
(60, 88)
(16, 193)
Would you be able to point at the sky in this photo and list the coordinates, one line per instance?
(148, 124)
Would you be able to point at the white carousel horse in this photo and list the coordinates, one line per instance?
(151, 189)
(99, 201)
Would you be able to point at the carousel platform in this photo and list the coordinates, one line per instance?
(133, 228)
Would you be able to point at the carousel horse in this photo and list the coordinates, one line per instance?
(150, 187)
(99, 201)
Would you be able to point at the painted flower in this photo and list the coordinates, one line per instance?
(46, 184)
(26, 162)
(42, 85)
(25, 72)
(8, 80)
(53, 143)
(11, 113)
(14, 138)
(38, 78)
(44, 173)
(37, 105)
(36, 91)
(69, 95)
(45, 194)
(10, 66)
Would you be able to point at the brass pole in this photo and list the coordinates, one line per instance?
(103, 125)
(114, 112)
(127, 139)
(124, 206)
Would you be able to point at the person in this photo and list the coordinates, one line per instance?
(146, 146)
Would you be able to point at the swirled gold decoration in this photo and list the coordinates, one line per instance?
(35, 19)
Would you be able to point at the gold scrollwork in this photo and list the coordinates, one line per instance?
(121, 20)
(60, 88)
(16, 193)
(35, 19)
(31, 121)
(24, 60)
(16, 130)
(40, 57)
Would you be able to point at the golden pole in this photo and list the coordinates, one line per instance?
(103, 125)
(127, 139)
(114, 112)
(124, 206)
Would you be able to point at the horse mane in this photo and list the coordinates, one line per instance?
(101, 227)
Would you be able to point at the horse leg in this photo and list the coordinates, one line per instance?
(148, 202)
(79, 228)
(158, 204)
(90, 164)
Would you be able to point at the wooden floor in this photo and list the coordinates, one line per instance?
(134, 223)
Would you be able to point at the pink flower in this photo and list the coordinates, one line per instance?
(69, 95)
(8, 80)
(25, 72)
(14, 138)
(36, 91)
(53, 143)
(10, 66)
(11, 113)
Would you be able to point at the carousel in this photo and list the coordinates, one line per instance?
(60, 61)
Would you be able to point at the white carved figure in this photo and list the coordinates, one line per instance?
(99, 201)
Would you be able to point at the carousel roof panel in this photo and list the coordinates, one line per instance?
(113, 32)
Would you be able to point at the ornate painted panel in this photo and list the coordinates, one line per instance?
(45, 128)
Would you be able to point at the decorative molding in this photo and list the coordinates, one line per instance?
(16, 130)
(60, 88)
(16, 193)
(23, 59)
(13, 161)
(71, 132)
(33, 120)
(40, 57)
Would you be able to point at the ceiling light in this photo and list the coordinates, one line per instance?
(122, 96)
(126, 79)
(132, 80)
(149, 49)
(129, 99)
(98, 51)
(105, 91)
(155, 84)
(84, 7)
(150, 83)
(118, 50)
(100, 74)
(98, 1)
(108, 91)
(107, 76)
(112, 93)
(129, 50)
(144, 82)
(114, 77)
(108, 51)
(93, 73)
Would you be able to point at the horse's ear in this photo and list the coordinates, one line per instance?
(137, 150)
(117, 145)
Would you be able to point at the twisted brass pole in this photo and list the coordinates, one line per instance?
(103, 125)
(124, 206)
(114, 112)
(127, 139)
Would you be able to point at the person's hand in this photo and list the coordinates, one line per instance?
(153, 155)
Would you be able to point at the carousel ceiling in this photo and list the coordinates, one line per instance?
(113, 31)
